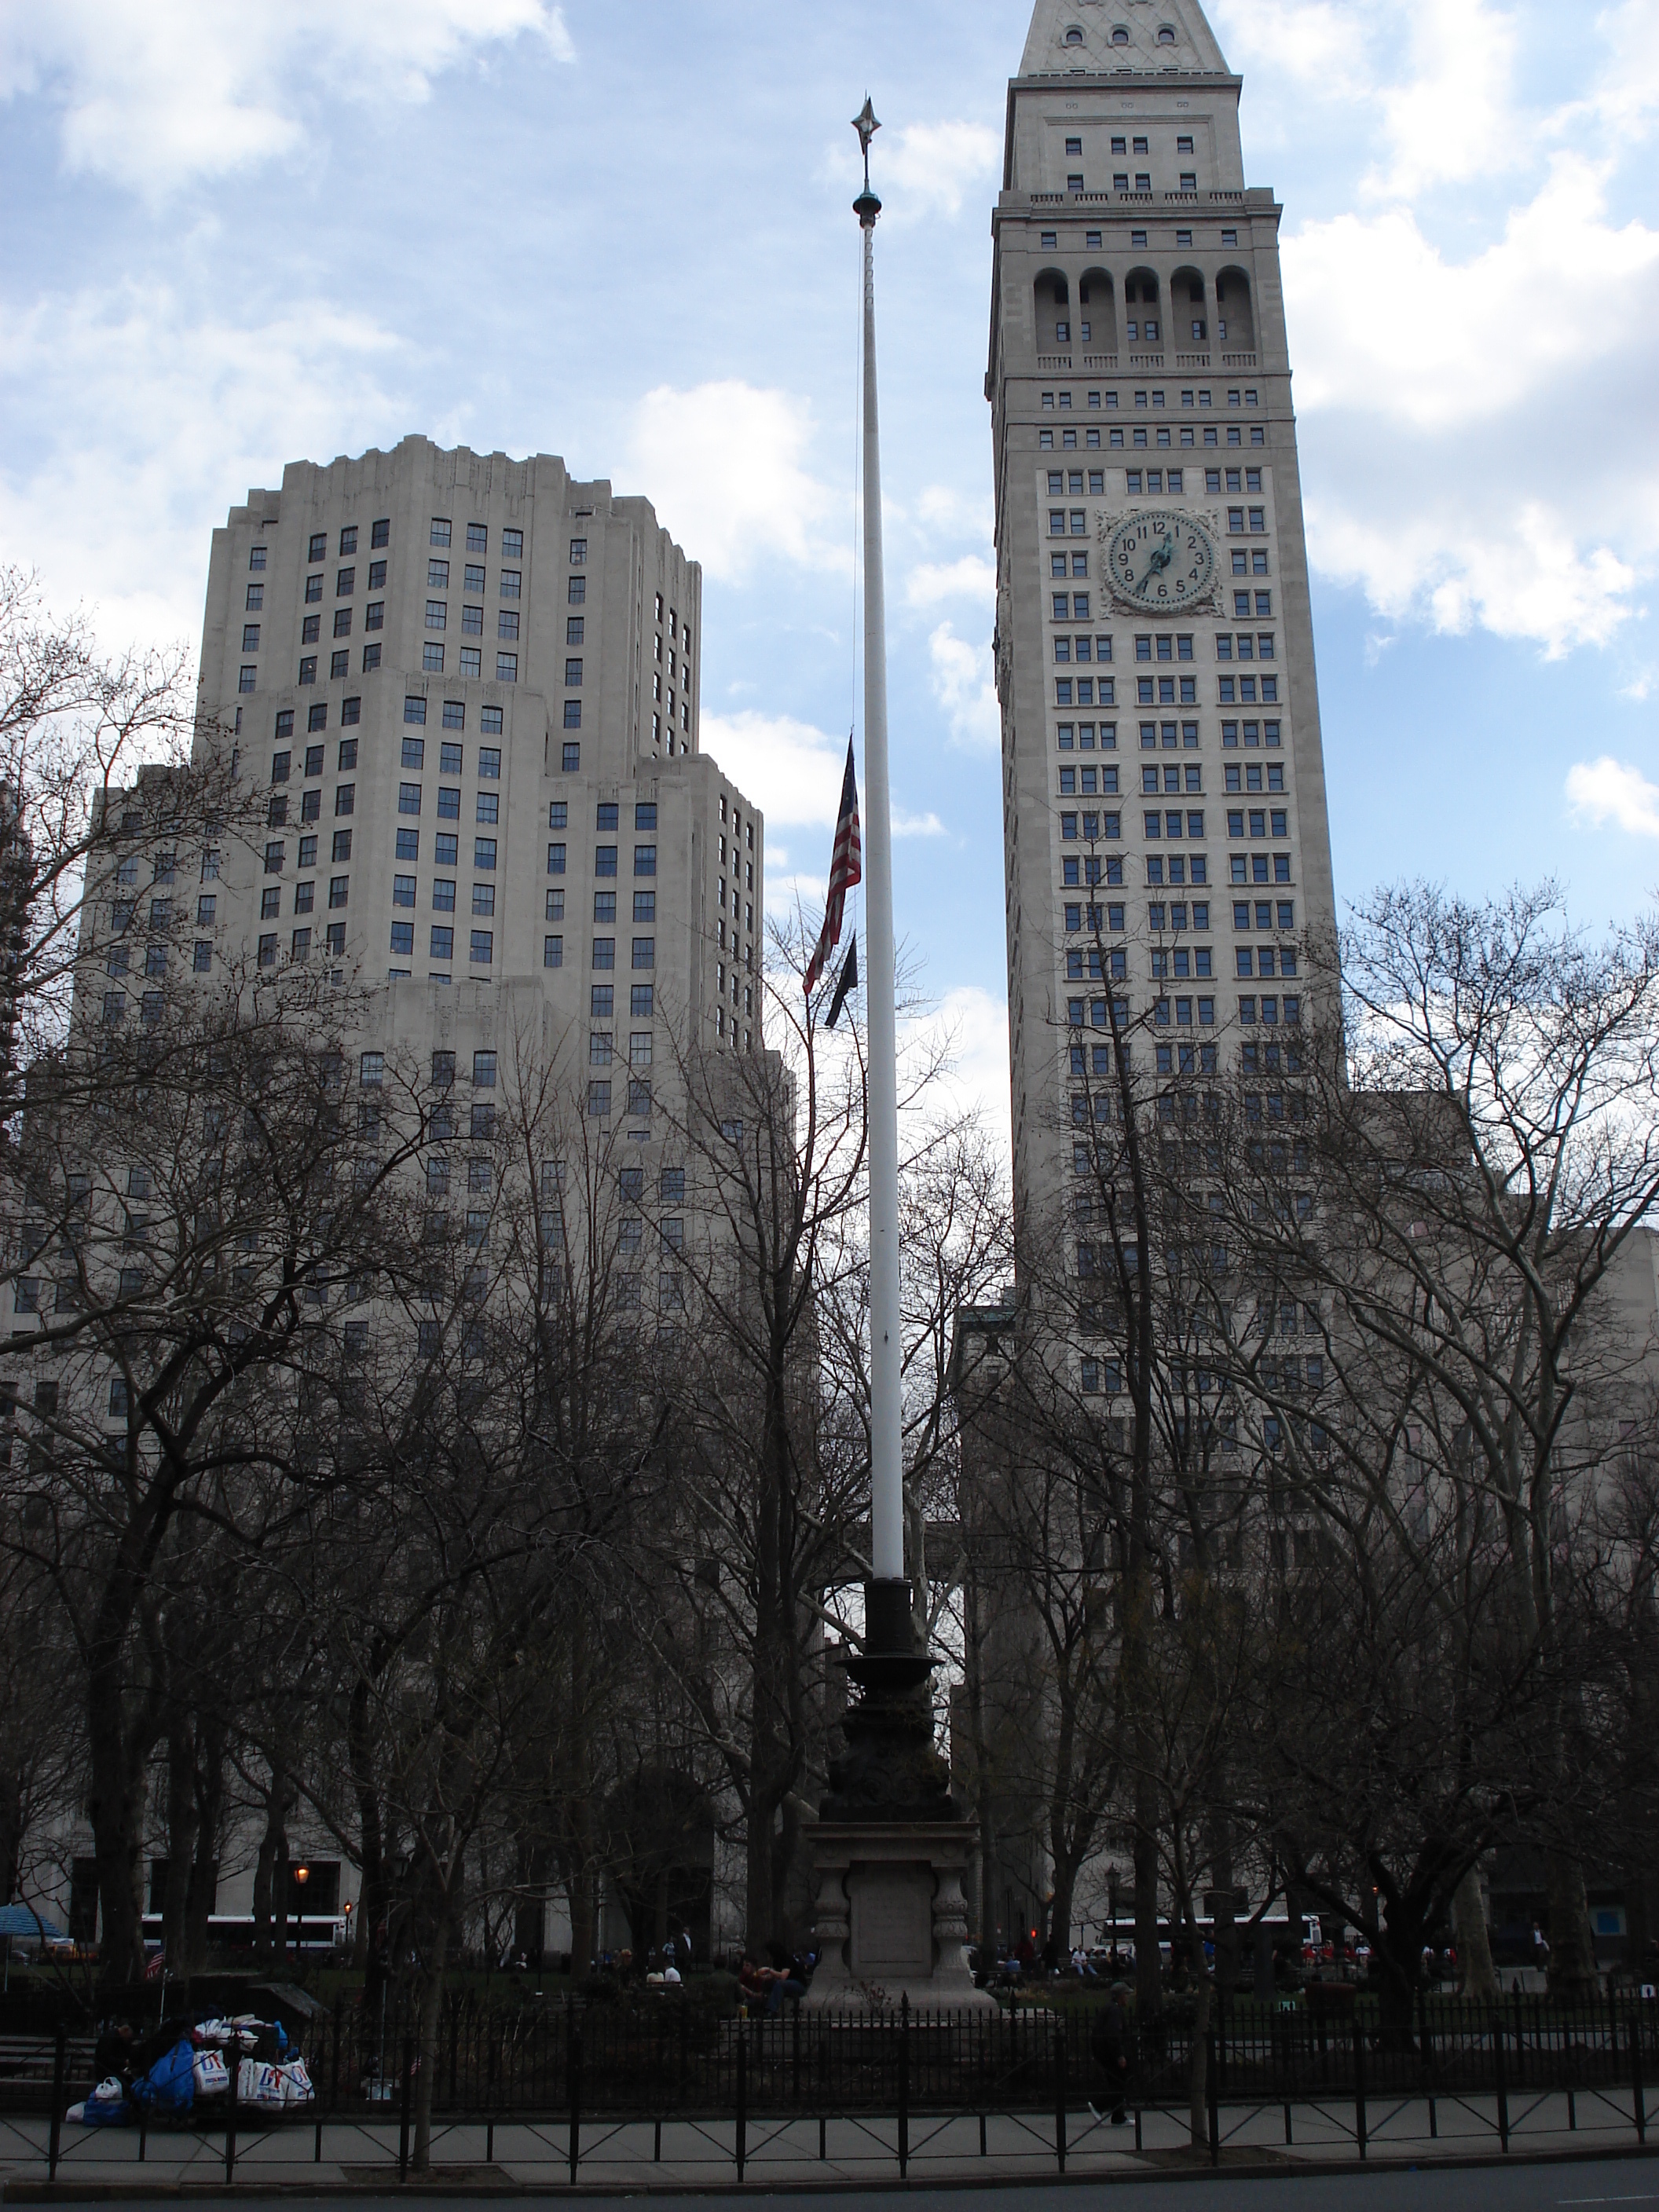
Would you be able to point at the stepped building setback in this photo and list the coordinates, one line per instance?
(1165, 838)
(470, 685)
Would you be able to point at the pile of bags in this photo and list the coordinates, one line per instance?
(271, 2075)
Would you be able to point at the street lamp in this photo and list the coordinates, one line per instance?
(301, 1876)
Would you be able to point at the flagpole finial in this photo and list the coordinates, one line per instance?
(867, 206)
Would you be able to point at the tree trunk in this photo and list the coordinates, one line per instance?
(1573, 1975)
(374, 1901)
(1149, 1976)
(115, 1809)
(1478, 1974)
(181, 1839)
(1198, 2103)
(208, 1785)
(11, 1831)
(270, 1876)
(430, 2021)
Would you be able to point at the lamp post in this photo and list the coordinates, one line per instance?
(301, 1876)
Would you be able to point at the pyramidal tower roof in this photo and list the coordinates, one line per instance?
(1090, 35)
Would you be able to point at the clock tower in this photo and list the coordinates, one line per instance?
(1166, 847)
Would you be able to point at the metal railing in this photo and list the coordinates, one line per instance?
(660, 2059)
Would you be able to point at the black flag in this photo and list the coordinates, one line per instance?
(849, 978)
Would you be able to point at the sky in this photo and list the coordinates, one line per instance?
(294, 228)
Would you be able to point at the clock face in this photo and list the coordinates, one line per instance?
(1161, 561)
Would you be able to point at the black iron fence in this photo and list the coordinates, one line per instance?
(665, 2058)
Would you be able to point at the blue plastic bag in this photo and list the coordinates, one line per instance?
(170, 2085)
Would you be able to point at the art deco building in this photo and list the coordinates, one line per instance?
(1165, 836)
(469, 684)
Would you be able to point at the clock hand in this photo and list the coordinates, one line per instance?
(1159, 561)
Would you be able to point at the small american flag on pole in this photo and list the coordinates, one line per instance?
(845, 869)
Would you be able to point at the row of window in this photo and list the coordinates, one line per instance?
(1245, 561)
(1088, 870)
(1080, 736)
(437, 618)
(470, 663)
(1061, 401)
(1098, 963)
(1252, 1010)
(1074, 522)
(1229, 645)
(1074, 607)
(1116, 440)
(478, 539)
(1167, 691)
(379, 535)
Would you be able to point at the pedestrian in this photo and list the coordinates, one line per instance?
(1112, 2046)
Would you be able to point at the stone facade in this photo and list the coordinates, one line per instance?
(1161, 752)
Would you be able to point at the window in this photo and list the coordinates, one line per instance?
(507, 672)
(403, 937)
(605, 952)
(483, 853)
(553, 953)
(604, 859)
(489, 806)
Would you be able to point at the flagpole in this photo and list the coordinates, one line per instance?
(888, 1609)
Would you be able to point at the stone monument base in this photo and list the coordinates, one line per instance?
(890, 1920)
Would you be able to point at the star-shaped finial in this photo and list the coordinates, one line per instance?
(866, 124)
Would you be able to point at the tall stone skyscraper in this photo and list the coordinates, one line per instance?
(1166, 836)
(468, 685)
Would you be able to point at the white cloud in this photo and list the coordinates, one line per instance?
(931, 164)
(916, 825)
(1448, 117)
(1456, 559)
(1321, 45)
(143, 422)
(1380, 318)
(972, 577)
(155, 93)
(1608, 790)
(724, 467)
(1482, 456)
(792, 770)
(921, 168)
(963, 685)
(974, 1027)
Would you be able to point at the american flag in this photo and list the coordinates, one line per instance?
(845, 870)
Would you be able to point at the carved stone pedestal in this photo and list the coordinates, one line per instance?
(891, 1918)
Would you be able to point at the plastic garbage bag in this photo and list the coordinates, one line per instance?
(107, 2107)
(296, 2083)
(170, 2084)
(259, 2083)
(212, 2074)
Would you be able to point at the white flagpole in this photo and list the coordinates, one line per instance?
(886, 1447)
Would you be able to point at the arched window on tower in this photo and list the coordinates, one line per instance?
(1235, 325)
(1054, 314)
(1142, 323)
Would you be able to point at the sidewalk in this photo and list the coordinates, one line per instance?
(685, 2155)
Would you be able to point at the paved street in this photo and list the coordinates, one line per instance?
(860, 2160)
